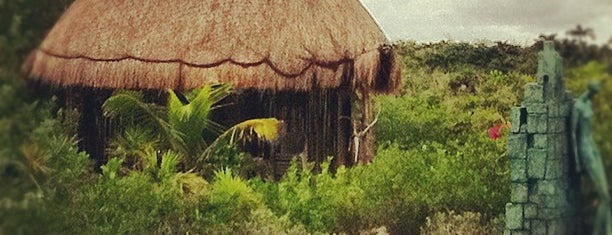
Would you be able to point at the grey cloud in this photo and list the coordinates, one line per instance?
(516, 21)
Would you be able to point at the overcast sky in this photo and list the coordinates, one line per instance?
(515, 21)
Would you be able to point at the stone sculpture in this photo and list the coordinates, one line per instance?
(588, 157)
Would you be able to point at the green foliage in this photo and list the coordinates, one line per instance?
(133, 112)
(227, 156)
(264, 222)
(185, 129)
(192, 119)
(139, 119)
(444, 116)
(65, 169)
(403, 186)
(23, 24)
(451, 107)
(442, 223)
(231, 201)
(448, 56)
(323, 201)
(224, 151)
(133, 146)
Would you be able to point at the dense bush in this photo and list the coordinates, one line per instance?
(442, 223)
(398, 190)
(406, 186)
(156, 199)
(448, 56)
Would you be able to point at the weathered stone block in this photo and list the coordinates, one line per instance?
(536, 163)
(555, 168)
(518, 116)
(534, 93)
(531, 211)
(514, 216)
(554, 109)
(550, 214)
(557, 125)
(537, 123)
(540, 141)
(557, 202)
(539, 200)
(556, 150)
(537, 109)
(546, 187)
(517, 146)
(563, 184)
(538, 227)
(518, 170)
(554, 94)
(521, 232)
(561, 109)
(519, 193)
(524, 128)
(558, 145)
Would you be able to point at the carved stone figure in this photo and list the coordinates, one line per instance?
(588, 156)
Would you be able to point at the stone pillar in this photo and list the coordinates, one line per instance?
(542, 198)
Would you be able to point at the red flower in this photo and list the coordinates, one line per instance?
(495, 131)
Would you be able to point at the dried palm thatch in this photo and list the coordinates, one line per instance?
(263, 44)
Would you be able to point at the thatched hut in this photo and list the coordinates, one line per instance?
(313, 63)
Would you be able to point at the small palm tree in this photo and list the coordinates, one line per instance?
(180, 126)
(579, 32)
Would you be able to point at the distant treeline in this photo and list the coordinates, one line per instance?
(501, 56)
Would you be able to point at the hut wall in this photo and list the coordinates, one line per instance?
(93, 129)
(318, 124)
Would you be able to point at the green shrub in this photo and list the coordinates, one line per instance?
(323, 202)
(262, 221)
(55, 166)
(442, 223)
(229, 156)
(403, 186)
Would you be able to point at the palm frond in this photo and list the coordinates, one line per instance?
(264, 129)
(133, 145)
(193, 119)
(169, 162)
(129, 107)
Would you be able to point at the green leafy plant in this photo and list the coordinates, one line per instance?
(182, 128)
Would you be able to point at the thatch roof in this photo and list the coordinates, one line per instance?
(266, 44)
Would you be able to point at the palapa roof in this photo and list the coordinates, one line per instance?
(183, 44)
